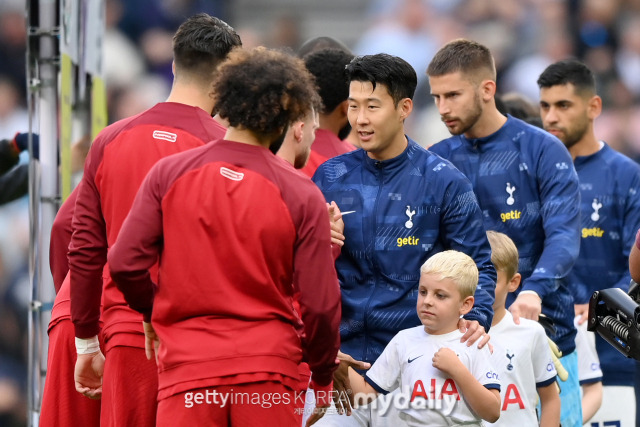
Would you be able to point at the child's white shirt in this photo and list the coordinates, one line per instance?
(522, 358)
(427, 395)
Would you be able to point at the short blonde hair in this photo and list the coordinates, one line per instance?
(454, 265)
(504, 253)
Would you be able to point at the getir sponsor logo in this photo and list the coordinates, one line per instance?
(592, 232)
(408, 241)
(506, 216)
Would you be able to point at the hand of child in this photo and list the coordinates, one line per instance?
(446, 360)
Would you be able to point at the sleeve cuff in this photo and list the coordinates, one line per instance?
(322, 393)
(375, 386)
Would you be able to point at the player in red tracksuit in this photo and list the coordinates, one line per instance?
(62, 405)
(117, 162)
(238, 233)
(327, 66)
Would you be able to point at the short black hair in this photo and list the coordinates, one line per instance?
(328, 67)
(319, 43)
(392, 71)
(201, 43)
(569, 71)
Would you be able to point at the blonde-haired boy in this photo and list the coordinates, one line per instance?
(521, 352)
(441, 381)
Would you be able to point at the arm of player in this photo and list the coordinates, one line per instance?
(88, 249)
(560, 210)
(138, 246)
(464, 231)
(591, 400)
(315, 278)
(634, 259)
(483, 401)
(549, 405)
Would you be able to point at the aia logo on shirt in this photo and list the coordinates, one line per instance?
(165, 136)
(231, 174)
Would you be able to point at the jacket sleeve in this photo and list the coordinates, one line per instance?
(316, 280)
(138, 245)
(560, 211)
(88, 249)
(463, 230)
(14, 183)
(630, 223)
(61, 232)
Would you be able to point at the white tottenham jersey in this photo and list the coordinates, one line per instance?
(427, 395)
(522, 358)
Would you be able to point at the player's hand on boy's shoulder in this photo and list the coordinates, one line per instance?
(473, 332)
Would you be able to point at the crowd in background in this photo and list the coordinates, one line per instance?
(524, 35)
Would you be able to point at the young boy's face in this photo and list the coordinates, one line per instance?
(440, 304)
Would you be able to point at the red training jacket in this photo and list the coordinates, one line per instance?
(237, 232)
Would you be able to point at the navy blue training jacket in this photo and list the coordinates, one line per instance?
(610, 190)
(405, 210)
(527, 188)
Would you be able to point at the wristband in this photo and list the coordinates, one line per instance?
(88, 345)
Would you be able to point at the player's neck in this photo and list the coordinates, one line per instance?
(587, 146)
(243, 136)
(490, 121)
(192, 95)
(498, 315)
(331, 122)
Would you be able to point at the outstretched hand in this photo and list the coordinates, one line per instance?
(337, 224)
(343, 394)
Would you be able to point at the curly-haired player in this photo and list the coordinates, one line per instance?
(237, 232)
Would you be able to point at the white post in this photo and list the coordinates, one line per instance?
(43, 190)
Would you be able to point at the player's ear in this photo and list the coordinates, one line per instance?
(298, 128)
(594, 107)
(405, 106)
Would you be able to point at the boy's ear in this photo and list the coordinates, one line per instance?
(514, 282)
(467, 305)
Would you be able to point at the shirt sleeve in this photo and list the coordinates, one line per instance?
(316, 280)
(88, 249)
(138, 246)
(543, 368)
(560, 210)
(384, 375)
